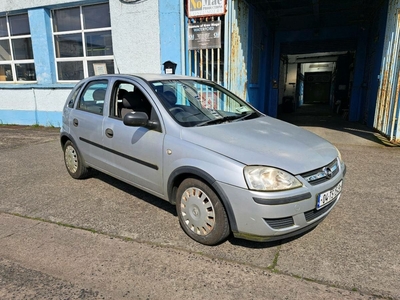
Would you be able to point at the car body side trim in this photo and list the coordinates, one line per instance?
(147, 164)
(285, 200)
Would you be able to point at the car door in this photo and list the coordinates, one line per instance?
(86, 122)
(136, 153)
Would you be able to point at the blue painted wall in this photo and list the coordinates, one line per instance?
(257, 87)
(41, 36)
(31, 117)
(357, 88)
(171, 32)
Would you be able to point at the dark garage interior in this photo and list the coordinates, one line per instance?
(329, 52)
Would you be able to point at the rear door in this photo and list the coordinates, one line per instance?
(86, 123)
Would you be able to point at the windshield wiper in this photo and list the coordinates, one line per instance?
(234, 118)
(247, 116)
(218, 120)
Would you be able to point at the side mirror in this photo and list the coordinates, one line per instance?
(139, 119)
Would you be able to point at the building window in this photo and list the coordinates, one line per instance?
(82, 41)
(16, 55)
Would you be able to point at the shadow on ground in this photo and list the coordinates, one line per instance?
(321, 115)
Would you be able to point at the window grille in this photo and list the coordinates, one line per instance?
(208, 63)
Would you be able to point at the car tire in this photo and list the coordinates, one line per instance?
(201, 213)
(74, 163)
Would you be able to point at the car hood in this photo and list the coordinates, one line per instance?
(265, 141)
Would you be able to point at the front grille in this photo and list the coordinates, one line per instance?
(319, 175)
(280, 223)
(312, 214)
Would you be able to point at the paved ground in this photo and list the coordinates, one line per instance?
(102, 239)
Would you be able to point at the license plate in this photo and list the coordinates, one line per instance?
(328, 196)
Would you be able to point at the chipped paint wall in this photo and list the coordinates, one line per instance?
(388, 96)
(238, 56)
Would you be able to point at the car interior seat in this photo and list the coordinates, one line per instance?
(135, 101)
(99, 94)
(170, 98)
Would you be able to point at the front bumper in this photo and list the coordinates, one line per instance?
(268, 216)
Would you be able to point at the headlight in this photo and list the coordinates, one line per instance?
(261, 178)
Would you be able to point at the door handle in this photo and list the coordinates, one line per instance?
(109, 133)
(75, 122)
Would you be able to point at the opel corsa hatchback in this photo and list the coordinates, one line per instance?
(227, 167)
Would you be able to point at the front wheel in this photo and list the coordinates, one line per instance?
(201, 213)
(74, 162)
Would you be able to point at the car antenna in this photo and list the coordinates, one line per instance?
(116, 64)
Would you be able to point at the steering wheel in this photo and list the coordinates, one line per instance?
(176, 110)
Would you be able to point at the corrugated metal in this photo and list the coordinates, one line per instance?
(238, 56)
(387, 108)
(226, 66)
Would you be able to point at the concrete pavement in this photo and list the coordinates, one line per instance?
(102, 239)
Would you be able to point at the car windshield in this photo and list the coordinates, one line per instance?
(201, 103)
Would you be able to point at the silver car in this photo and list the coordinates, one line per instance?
(227, 167)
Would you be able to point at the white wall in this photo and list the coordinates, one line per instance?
(136, 36)
(34, 99)
(32, 106)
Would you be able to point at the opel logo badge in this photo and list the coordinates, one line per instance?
(328, 172)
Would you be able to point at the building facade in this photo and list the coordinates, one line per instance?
(47, 45)
(266, 58)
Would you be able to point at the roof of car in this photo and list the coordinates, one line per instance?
(153, 77)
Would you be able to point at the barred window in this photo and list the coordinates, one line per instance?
(16, 55)
(82, 41)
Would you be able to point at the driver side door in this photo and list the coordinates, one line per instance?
(135, 153)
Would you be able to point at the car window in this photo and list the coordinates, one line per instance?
(93, 97)
(73, 96)
(129, 98)
(200, 103)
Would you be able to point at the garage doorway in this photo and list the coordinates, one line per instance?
(316, 84)
(317, 87)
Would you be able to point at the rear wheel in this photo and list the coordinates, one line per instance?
(201, 213)
(74, 162)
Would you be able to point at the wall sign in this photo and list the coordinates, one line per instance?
(99, 68)
(204, 35)
(205, 8)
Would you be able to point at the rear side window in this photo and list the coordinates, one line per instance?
(93, 97)
(73, 96)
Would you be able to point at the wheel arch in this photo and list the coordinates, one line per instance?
(181, 173)
(64, 137)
